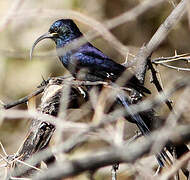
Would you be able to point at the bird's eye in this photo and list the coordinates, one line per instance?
(56, 29)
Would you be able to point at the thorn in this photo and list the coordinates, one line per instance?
(3, 149)
(175, 52)
(170, 101)
(132, 55)
(158, 170)
(151, 80)
(126, 59)
(156, 71)
(44, 82)
(2, 104)
(42, 77)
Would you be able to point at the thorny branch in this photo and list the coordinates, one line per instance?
(177, 165)
(163, 60)
(98, 28)
(157, 83)
(81, 137)
(175, 68)
(180, 57)
(114, 154)
(158, 38)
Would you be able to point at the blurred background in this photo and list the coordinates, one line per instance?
(27, 20)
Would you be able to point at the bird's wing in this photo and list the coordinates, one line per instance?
(102, 67)
(97, 63)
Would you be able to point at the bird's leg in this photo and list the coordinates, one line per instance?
(115, 167)
(135, 96)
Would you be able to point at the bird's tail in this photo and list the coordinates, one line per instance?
(136, 118)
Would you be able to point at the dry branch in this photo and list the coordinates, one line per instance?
(177, 165)
(114, 155)
(11, 14)
(50, 106)
(158, 38)
(36, 143)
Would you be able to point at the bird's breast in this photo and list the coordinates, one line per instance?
(65, 59)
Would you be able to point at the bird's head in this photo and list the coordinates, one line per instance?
(61, 32)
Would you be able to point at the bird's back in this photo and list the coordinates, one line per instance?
(100, 67)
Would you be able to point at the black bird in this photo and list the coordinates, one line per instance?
(92, 64)
(89, 63)
(86, 58)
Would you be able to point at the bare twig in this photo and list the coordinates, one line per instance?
(114, 171)
(175, 68)
(10, 162)
(41, 89)
(163, 60)
(24, 99)
(82, 136)
(97, 26)
(116, 153)
(181, 57)
(176, 166)
(11, 14)
(119, 154)
(157, 39)
(157, 83)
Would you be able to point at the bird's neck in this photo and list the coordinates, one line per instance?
(64, 51)
(62, 41)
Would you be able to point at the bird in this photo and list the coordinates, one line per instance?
(96, 65)
(91, 62)
(87, 62)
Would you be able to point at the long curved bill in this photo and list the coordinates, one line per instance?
(44, 36)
